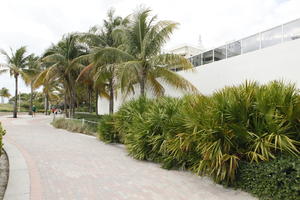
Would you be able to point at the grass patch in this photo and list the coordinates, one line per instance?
(88, 116)
(6, 107)
(74, 126)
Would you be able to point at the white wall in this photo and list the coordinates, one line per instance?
(278, 62)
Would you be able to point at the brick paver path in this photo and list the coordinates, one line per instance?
(70, 166)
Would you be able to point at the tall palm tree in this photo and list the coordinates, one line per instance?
(51, 88)
(15, 64)
(102, 63)
(87, 79)
(65, 67)
(30, 74)
(4, 93)
(143, 40)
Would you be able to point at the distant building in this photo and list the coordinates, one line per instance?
(186, 50)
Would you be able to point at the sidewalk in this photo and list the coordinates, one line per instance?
(70, 166)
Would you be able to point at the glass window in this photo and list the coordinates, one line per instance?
(196, 60)
(251, 43)
(291, 31)
(271, 37)
(220, 53)
(233, 49)
(208, 57)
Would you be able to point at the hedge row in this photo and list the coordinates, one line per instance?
(211, 135)
(274, 180)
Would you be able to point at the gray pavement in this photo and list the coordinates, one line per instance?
(70, 166)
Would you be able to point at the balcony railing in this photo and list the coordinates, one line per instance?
(279, 34)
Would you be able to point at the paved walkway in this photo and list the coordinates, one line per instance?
(68, 166)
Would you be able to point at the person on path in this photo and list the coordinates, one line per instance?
(33, 110)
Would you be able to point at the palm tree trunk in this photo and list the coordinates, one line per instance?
(47, 104)
(143, 82)
(15, 115)
(90, 98)
(73, 102)
(65, 104)
(31, 99)
(97, 94)
(111, 97)
(70, 104)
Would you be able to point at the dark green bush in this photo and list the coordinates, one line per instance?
(107, 131)
(274, 180)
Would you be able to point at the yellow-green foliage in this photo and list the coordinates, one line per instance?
(107, 131)
(211, 135)
(2, 132)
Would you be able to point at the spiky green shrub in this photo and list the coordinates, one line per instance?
(128, 111)
(277, 179)
(107, 131)
(148, 137)
(181, 145)
(247, 122)
(2, 133)
(211, 135)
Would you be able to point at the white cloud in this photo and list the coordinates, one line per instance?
(38, 23)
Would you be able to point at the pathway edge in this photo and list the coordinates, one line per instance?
(18, 186)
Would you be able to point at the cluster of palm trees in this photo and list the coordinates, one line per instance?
(119, 57)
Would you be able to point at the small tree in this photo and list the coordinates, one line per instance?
(15, 64)
(4, 93)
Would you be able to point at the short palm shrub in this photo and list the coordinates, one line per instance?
(126, 114)
(248, 123)
(2, 133)
(149, 136)
(107, 131)
(211, 135)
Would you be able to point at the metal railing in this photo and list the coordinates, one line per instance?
(91, 124)
(276, 35)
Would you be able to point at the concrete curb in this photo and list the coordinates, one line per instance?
(18, 186)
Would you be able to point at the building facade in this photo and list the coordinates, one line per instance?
(269, 55)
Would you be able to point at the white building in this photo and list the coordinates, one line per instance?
(186, 50)
(269, 55)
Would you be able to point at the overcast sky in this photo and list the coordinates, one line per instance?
(39, 23)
